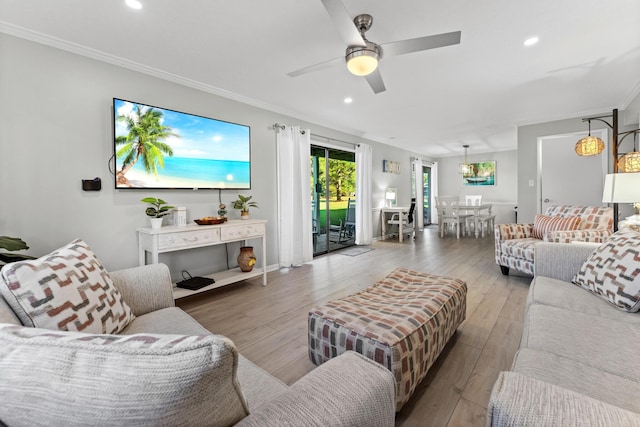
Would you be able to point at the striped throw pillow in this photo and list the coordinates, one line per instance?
(542, 224)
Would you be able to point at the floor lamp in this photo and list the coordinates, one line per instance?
(590, 146)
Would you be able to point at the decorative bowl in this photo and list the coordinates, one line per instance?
(210, 221)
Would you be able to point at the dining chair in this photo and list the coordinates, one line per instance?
(406, 218)
(473, 200)
(481, 220)
(449, 214)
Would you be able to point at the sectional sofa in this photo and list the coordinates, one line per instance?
(578, 359)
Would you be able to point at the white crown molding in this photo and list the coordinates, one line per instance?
(47, 40)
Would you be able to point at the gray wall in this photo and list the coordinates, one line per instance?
(503, 195)
(528, 154)
(56, 129)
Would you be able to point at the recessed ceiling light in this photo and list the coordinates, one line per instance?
(531, 41)
(133, 4)
(348, 100)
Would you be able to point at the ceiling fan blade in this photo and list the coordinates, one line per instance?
(343, 22)
(375, 81)
(421, 43)
(317, 67)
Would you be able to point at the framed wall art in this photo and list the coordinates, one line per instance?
(389, 166)
(480, 173)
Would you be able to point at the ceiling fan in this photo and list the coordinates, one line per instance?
(362, 55)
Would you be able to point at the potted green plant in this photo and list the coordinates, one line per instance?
(13, 244)
(243, 204)
(158, 209)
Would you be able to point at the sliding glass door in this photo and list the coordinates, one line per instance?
(426, 191)
(333, 189)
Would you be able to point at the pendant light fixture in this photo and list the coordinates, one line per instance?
(630, 162)
(464, 167)
(589, 145)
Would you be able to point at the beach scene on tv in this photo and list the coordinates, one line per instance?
(160, 148)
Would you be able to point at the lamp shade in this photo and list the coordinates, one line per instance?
(630, 162)
(621, 188)
(589, 146)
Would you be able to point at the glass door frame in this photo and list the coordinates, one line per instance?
(328, 237)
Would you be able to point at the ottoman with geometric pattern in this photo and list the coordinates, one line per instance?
(402, 322)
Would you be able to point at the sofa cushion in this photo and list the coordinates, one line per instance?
(520, 400)
(573, 375)
(600, 343)
(258, 386)
(542, 224)
(66, 290)
(520, 248)
(72, 378)
(558, 293)
(613, 271)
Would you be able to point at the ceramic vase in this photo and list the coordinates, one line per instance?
(246, 259)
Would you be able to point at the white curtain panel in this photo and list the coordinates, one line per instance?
(295, 244)
(418, 217)
(364, 162)
(434, 192)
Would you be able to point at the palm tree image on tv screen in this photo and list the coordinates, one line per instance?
(161, 148)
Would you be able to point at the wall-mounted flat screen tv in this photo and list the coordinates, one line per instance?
(161, 148)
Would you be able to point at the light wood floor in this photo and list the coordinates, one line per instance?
(268, 324)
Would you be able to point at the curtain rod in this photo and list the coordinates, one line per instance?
(334, 139)
(283, 127)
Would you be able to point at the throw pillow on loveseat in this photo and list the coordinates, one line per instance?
(141, 379)
(67, 290)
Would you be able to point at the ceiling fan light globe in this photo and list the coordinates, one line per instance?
(362, 61)
(362, 65)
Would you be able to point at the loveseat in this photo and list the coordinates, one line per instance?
(163, 368)
(515, 243)
(577, 364)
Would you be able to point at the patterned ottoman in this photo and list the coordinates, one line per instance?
(402, 322)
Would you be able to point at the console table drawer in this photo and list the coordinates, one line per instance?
(242, 231)
(187, 239)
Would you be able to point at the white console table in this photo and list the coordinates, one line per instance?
(176, 238)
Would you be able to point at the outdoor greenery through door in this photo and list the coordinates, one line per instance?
(333, 186)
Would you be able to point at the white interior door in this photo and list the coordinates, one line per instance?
(564, 178)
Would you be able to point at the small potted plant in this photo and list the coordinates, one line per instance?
(156, 211)
(12, 244)
(243, 204)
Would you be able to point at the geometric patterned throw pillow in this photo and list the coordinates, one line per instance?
(67, 290)
(612, 271)
(542, 224)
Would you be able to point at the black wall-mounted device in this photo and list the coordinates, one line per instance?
(94, 184)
